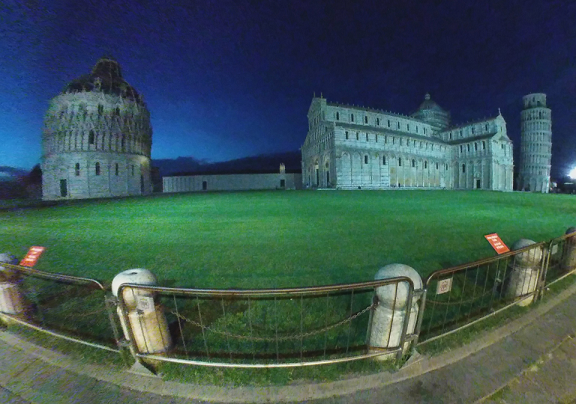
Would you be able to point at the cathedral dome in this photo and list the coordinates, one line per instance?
(106, 77)
(428, 104)
(433, 114)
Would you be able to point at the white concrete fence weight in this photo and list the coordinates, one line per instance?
(11, 299)
(391, 312)
(569, 256)
(524, 271)
(145, 317)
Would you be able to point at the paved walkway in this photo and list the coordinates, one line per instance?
(530, 360)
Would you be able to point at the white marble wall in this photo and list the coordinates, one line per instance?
(231, 182)
(339, 153)
(84, 129)
(536, 144)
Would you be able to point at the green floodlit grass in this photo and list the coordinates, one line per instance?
(279, 239)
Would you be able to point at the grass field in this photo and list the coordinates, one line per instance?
(279, 239)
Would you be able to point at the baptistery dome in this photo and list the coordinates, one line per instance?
(106, 76)
(97, 138)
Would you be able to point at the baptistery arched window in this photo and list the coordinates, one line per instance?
(77, 170)
(91, 137)
(97, 169)
(366, 159)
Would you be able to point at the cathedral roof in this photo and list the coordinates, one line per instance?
(429, 104)
(106, 77)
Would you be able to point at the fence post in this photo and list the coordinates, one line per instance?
(524, 272)
(141, 317)
(11, 300)
(396, 314)
(569, 256)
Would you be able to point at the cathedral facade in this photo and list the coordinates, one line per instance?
(97, 138)
(350, 147)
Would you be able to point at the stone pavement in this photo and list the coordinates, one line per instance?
(530, 360)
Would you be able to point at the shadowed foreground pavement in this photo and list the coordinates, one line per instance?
(530, 360)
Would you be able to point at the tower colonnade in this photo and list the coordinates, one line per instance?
(535, 144)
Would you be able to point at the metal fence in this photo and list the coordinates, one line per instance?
(460, 296)
(283, 327)
(560, 258)
(265, 327)
(68, 307)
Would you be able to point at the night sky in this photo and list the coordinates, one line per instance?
(224, 79)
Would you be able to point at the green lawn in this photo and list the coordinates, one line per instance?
(279, 239)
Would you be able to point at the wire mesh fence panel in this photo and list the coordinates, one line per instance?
(288, 328)
(561, 257)
(268, 327)
(64, 305)
(457, 297)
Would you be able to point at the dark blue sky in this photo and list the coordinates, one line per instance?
(227, 79)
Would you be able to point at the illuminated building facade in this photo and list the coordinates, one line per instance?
(350, 147)
(97, 138)
(535, 144)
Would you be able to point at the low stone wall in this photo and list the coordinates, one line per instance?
(231, 182)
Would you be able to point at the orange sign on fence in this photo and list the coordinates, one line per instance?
(32, 256)
(496, 243)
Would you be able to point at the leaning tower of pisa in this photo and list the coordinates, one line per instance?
(535, 144)
(97, 138)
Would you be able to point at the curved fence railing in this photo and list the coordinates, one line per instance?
(64, 306)
(258, 328)
(281, 327)
(460, 296)
(560, 260)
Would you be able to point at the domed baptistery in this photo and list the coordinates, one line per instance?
(97, 138)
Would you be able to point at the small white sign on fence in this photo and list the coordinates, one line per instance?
(444, 286)
(145, 303)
